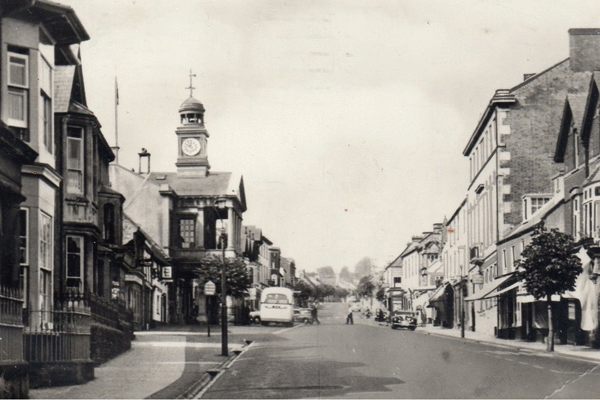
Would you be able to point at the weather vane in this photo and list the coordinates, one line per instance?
(191, 87)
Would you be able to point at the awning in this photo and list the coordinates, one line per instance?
(486, 291)
(528, 298)
(506, 289)
(438, 295)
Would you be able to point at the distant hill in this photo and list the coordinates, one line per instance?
(363, 268)
(346, 275)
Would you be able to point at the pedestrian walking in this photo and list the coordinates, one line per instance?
(313, 313)
(349, 318)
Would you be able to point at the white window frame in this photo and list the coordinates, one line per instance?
(26, 237)
(81, 168)
(46, 242)
(16, 88)
(81, 241)
(46, 117)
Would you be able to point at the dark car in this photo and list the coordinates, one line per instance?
(303, 315)
(404, 319)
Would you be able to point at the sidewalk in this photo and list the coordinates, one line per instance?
(566, 350)
(166, 361)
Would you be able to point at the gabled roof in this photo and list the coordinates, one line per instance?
(591, 107)
(502, 97)
(60, 20)
(572, 116)
(63, 84)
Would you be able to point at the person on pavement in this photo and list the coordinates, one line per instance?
(349, 318)
(313, 313)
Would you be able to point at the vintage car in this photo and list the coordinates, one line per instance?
(303, 315)
(255, 316)
(404, 319)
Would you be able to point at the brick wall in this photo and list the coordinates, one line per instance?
(534, 124)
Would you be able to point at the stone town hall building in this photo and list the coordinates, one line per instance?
(184, 211)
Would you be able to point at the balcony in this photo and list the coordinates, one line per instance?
(476, 254)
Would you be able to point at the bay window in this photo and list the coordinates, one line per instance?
(75, 160)
(75, 262)
(18, 86)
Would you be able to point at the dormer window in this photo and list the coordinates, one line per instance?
(532, 204)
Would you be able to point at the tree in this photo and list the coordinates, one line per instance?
(237, 276)
(365, 287)
(549, 266)
(380, 295)
(307, 292)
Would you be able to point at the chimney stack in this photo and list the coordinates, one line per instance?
(527, 76)
(584, 49)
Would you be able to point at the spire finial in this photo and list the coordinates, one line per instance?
(191, 87)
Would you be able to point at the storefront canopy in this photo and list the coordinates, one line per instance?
(490, 291)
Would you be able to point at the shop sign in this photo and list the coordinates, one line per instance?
(209, 288)
(167, 273)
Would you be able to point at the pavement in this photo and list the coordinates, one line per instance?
(160, 364)
(563, 350)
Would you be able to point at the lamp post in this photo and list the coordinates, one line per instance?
(462, 304)
(224, 350)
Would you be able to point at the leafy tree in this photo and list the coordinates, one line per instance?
(365, 287)
(307, 292)
(380, 295)
(325, 290)
(237, 277)
(549, 266)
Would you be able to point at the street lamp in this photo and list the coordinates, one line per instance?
(462, 304)
(222, 238)
(224, 350)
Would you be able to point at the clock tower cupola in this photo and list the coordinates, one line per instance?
(192, 138)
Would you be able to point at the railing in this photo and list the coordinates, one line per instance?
(11, 324)
(62, 334)
(104, 311)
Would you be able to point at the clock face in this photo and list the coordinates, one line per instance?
(190, 147)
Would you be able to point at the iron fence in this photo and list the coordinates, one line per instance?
(62, 334)
(11, 324)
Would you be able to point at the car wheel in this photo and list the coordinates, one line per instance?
(412, 328)
(256, 320)
(393, 326)
(305, 321)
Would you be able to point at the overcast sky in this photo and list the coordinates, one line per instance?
(347, 119)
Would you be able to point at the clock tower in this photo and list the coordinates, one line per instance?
(192, 136)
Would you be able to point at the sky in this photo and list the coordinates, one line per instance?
(347, 119)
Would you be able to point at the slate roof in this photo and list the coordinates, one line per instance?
(577, 103)
(63, 84)
(214, 184)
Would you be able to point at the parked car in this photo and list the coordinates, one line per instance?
(303, 315)
(255, 317)
(404, 319)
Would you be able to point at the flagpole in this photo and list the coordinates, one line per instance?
(116, 120)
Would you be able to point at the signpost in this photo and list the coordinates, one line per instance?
(209, 290)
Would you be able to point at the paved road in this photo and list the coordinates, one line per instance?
(371, 361)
